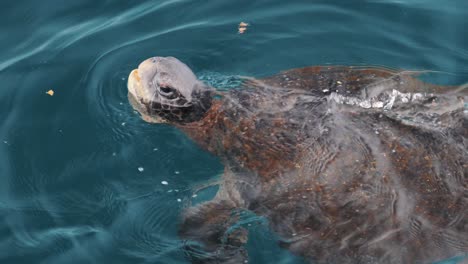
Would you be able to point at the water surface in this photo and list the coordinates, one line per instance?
(80, 173)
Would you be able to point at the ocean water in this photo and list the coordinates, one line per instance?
(81, 173)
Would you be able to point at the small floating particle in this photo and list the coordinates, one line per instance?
(155, 149)
(50, 92)
(123, 78)
(177, 172)
(377, 132)
(179, 200)
(4, 141)
(169, 191)
(325, 90)
(165, 183)
(114, 154)
(339, 82)
(176, 190)
(243, 27)
(123, 123)
(194, 196)
(120, 103)
(141, 169)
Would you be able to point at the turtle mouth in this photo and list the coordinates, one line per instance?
(134, 83)
(136, 93)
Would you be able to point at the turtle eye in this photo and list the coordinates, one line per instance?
(168, 92)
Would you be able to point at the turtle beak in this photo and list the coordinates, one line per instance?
(136, 93)
(134, 84)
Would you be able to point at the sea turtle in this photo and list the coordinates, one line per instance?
(347, 164)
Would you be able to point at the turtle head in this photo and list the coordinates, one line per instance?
(165, 90)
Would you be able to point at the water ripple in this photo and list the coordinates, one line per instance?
(71, 188)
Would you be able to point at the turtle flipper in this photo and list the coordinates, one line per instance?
(208, 234)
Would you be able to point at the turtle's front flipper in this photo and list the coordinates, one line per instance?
(210, 236)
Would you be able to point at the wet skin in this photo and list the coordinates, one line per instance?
(348, 164)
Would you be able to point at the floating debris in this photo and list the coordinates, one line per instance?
(141, 169)
(179, 200)
(123, 123)
(155, 149)
(194, 196)
(50, 92)
(243, 27)
(177, 172)
(165, 183)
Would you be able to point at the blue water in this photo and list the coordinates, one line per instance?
(70, 186)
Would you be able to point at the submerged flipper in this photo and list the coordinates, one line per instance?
(209, 237)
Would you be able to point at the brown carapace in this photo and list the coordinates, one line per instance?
(347, 164)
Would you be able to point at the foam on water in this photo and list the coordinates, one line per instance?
(385, 101)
